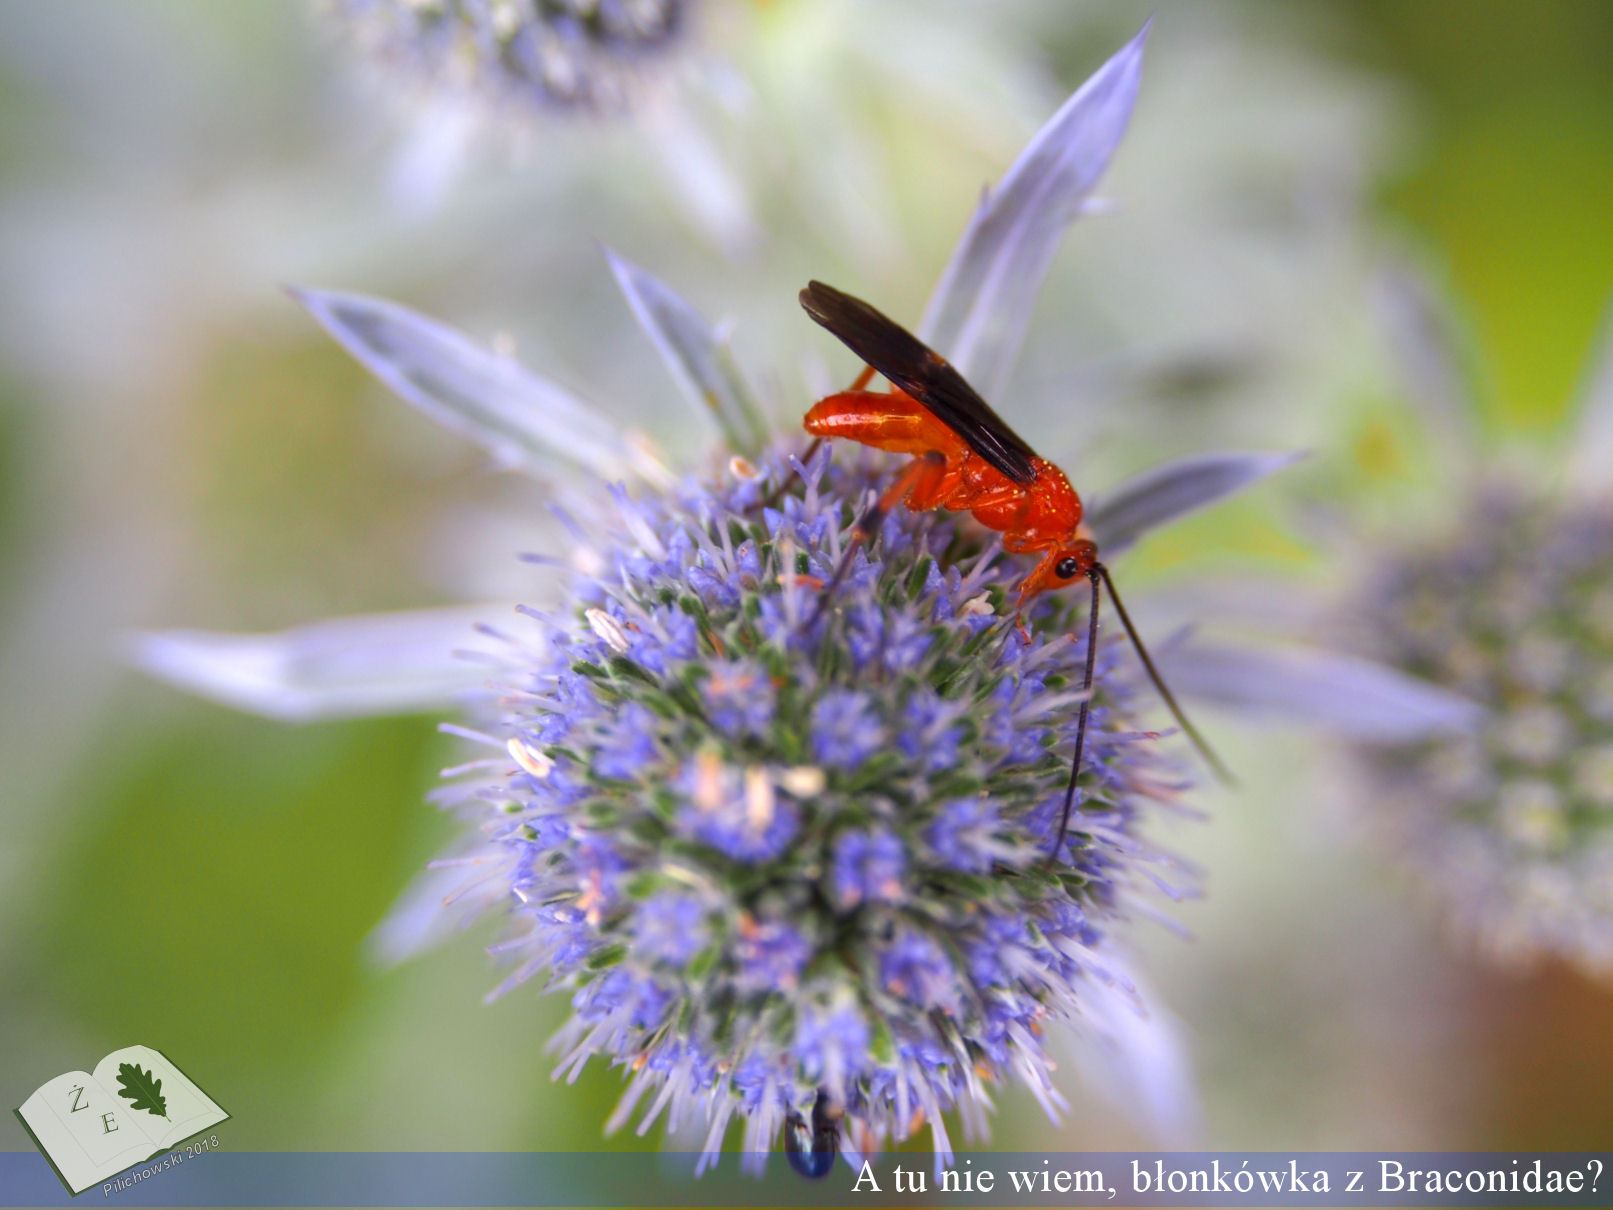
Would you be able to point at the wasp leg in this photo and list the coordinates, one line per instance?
(918, 477)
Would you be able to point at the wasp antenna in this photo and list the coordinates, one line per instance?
(1222, 773)
(1080, 725)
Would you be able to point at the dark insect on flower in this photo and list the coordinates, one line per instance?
(812, 1148)
(965, 457)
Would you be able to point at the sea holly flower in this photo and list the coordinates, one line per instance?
(586, 54)
(832, 873)
(789, 865)
(512, 76)
(1513, 822)
(1483, 711)
(1507, 600)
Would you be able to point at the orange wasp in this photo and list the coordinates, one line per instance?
(966, 458)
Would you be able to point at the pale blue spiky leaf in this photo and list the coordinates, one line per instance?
(981, 310)
(1309, 686)
(1137, 1058)
(1174, 489)
(443, 899)
(374, 664)
(694, 353)
(523, 420)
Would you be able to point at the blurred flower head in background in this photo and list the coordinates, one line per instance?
(588, 54)
(1507, 600)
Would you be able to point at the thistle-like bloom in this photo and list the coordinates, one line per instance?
(1514, 820)
(768, 861)
(587, 54)
(1509, 603)
(785, 864)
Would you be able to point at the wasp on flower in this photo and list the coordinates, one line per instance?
(802, 868)
(966, 457)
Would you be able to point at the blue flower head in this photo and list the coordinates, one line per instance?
(790, 856)
(550, 53)
(788, 888)
(1508, 604)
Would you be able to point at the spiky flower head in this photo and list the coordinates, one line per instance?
(1508, 605)
(582, 54)
(1513, 819)
(770, 856)
(784, 863)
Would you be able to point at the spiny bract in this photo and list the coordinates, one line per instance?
(768, 861)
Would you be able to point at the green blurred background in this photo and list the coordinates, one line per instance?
(180, 446)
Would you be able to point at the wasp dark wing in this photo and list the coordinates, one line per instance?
(922, 373)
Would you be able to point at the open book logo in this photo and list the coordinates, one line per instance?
(134, 1107)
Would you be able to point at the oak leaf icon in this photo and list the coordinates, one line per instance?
(141, 1089)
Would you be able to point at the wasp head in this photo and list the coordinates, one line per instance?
(1061, 566)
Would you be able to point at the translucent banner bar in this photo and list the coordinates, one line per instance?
(225, 1178)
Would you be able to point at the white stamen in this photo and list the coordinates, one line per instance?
(708, 770)
(803, 781)
(759, 799)
(608, 629)
(787, 576)
(534, 762)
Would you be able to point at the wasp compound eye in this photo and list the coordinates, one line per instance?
(1067, 569)
(812, 1150)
